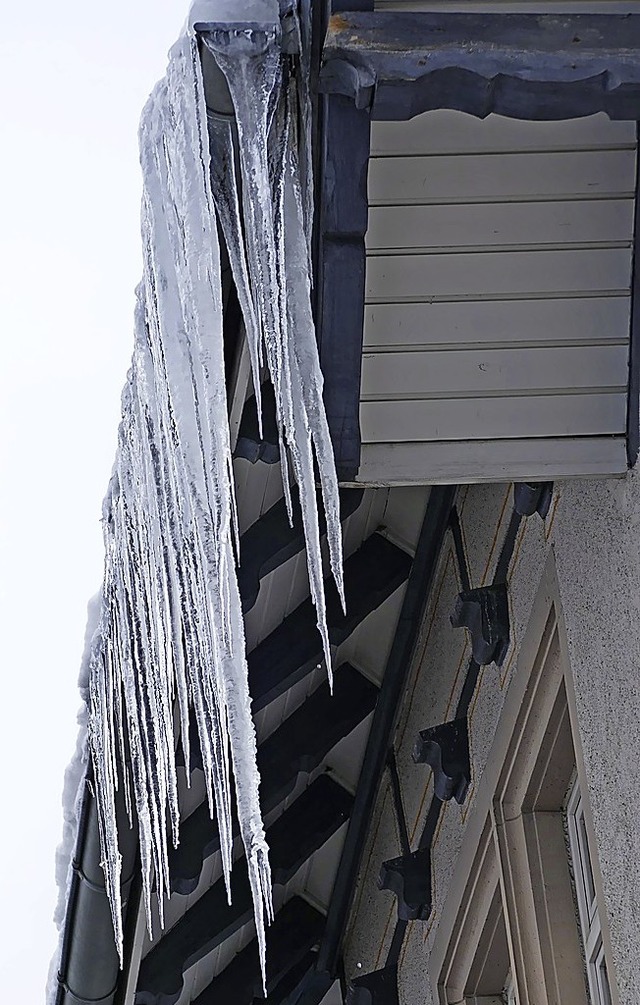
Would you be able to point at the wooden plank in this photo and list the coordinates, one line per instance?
(494, 275)
(445, 131)
(515, 6)
(467, 372)
(489, 418)
(508, 224)
(495, 321)
(500, 177)
(473, 461)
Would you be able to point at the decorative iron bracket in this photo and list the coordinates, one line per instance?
(380, 987)
(446, 749)
(409, 877)
(485, 612)
(532, 497)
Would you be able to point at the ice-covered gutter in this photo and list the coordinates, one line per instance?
(170, 631)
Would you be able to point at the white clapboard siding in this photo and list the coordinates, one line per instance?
(485, 418)
(578, 321)
(448, 462)
(446, 132)
(496, 336)
(496, 274)
(500, 177)
(491, 225)
(513, 6)
(467, 372)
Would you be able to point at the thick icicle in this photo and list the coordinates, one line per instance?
(171, 621)
(272, 115)
(171, 628)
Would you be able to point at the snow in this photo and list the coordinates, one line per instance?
(72, 796)
(170, 629)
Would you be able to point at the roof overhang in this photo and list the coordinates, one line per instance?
(393, 66)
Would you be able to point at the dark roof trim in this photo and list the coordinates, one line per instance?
(434, 527)
(527, 66)
(89, 971)
(340, 283)
(633, 395)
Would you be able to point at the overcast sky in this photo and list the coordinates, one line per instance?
(73, 79)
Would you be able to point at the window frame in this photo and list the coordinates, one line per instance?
(529, 842)
(587, 897)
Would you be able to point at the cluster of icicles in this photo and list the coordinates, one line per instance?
(171, 632)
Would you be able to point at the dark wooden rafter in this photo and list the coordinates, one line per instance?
(250, 444)
(294, 649)
(340, 304)
(301, 830)
(342, 212)
(271, 541)
(527, 66)
(296, 930)
(298, 746)
(302, 985)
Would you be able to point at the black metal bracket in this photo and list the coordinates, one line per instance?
(380, 987)
(446, 749)
(409, 877)
(532, 497)
(485, 612)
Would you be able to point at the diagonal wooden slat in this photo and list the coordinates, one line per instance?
(295, 931)
(294, 649)
(298, 746)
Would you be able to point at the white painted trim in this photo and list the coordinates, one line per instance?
(587, 897)
(238, 388)
(463, 462)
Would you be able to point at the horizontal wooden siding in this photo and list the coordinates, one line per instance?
(498, 292)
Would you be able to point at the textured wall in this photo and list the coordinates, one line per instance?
(592, 528)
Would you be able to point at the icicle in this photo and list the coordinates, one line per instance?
(224, 185)
(171, 622)
(171, 628)
(265, 102)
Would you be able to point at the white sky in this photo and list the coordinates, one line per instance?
(73, 79)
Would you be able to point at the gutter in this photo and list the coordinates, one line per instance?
(399, 663)
(89, 971)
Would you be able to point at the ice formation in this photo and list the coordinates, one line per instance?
(171, 632)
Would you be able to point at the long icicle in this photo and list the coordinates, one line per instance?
(171, 627)
(171, 622)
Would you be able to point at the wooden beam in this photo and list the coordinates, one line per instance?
(271, 540)
(527, 66)
(293, 934)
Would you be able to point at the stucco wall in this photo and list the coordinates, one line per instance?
(591, 541)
